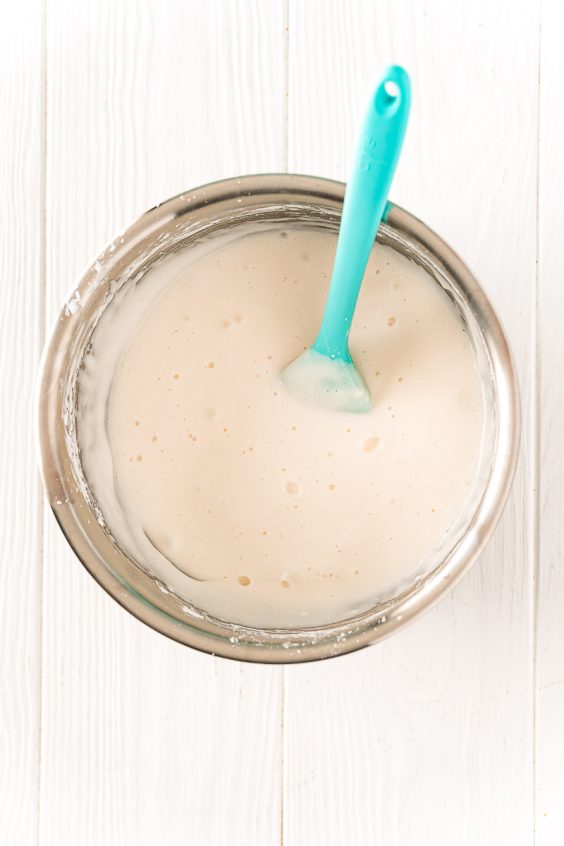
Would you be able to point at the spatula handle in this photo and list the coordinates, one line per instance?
(367, 191)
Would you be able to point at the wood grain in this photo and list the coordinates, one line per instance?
(145, 741)
(20, 343)
(550, 420)
(427, 739)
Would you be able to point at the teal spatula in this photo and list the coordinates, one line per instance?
(326, 374)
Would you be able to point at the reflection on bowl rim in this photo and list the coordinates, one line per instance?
(201, 210)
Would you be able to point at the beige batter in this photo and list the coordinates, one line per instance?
(254, 506)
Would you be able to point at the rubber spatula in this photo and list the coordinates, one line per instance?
(326, 374)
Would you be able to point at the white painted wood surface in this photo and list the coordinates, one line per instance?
(451, 732)
(549, 669)
(21, 336)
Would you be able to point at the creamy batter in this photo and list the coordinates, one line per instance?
(251, 505)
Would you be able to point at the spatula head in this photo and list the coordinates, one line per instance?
(326, 382)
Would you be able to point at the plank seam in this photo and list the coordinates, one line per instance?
(536, 429)
(286, 81)
(42, 333)
(282, 757)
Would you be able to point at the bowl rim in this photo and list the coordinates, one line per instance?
(283, 646)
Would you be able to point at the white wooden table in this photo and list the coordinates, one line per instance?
(452, 732)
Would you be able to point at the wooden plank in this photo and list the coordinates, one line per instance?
(550, 638)
(21, 303)
(145, 741)
(427, 738)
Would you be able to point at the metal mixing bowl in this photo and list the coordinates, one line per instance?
(173, 225)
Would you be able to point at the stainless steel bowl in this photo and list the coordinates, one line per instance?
(174, 225)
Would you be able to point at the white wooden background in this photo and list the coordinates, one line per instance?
(450, 733)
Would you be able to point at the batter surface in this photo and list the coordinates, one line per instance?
(251, 505)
